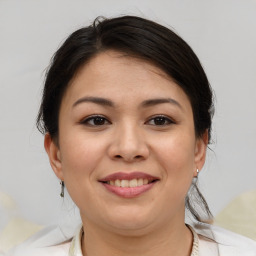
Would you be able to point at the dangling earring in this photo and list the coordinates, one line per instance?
(62, 188)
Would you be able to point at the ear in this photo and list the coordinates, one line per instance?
(200, 151)
(54, 155)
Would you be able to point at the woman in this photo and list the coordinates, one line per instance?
(126, 113)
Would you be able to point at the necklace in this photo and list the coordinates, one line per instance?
(195, 246)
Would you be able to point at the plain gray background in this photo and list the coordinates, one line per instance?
(223, 35)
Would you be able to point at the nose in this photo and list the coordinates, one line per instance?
(128, 144)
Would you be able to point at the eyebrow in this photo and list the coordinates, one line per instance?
(153, 102)
(109, 103)
(96, 100)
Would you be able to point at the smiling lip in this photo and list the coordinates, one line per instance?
(128, 192)
(128, 176)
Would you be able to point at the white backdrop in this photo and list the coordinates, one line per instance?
(222, 33)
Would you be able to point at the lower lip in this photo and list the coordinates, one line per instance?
(129, 192)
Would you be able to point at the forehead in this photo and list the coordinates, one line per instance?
(121, 77)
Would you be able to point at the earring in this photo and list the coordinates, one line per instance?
(197, 173)
(62, 188)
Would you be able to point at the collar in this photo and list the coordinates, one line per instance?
(75, 246)
(76, 250)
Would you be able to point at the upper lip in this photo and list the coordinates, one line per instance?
(128, 176)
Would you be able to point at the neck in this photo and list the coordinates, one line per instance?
(175, 239)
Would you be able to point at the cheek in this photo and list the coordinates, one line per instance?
(80, 156)
(176, 151)
(176, 157)
(80, 159)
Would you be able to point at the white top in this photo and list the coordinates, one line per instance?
(75, 246)
(208, 241)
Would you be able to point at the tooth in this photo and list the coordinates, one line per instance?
(112, 183)
(124, 183)
(118, 183)
(133, 183)
(145, 181)
(140, 182)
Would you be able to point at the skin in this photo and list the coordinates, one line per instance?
(129, 139)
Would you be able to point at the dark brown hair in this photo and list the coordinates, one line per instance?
(140, 38)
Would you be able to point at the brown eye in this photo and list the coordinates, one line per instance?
(95, 121)
(160, 121)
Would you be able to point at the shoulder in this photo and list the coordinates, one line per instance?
(55, 250)
(49, 241)
(225, 242)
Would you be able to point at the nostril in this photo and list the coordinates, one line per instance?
(129, 158)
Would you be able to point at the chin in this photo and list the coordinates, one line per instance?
(130, 221)
(134, 229)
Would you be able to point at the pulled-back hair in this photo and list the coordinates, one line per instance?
(139, 38)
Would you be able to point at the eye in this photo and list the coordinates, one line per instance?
(96, 120)
(160, 121)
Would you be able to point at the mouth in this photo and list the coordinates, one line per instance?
(129, 185)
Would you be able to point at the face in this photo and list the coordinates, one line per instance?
(127, 149)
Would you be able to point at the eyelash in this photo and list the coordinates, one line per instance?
(161, 118)
(167, 120)
(94, 118)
